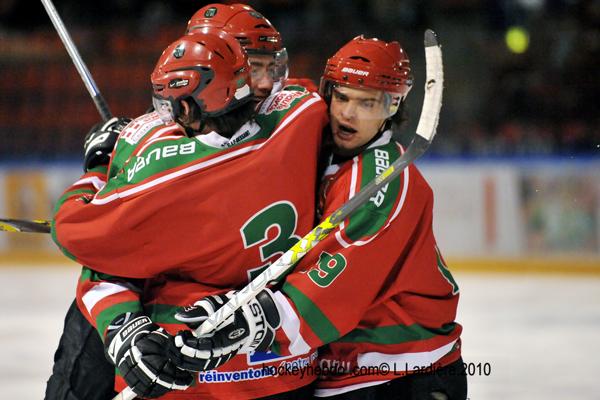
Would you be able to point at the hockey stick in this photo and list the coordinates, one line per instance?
(43, 226)
(91, 86)
(20, 225)
(426, 130)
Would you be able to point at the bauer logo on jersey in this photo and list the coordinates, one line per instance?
(353, 71)
(159, 153)
(382, 162)
(281, 101)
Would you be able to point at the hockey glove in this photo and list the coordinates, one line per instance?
(138, 348)
(251, 328)
(100, 142)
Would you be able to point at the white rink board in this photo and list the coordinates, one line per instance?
(539, 333)
(480, 209)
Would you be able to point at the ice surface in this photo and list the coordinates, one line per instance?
(540, 334)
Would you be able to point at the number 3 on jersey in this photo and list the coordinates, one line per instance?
(282, 216)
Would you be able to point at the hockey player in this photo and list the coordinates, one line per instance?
(376, 293)
(187, 203)
(268, 58)
(263, 43)
(79, 359)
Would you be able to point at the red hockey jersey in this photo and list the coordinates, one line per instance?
(376, 292)
(193, 216)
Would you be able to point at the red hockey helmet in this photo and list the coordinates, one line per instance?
(256, 34)
(252, 29)
(209, 67)
(370, 64)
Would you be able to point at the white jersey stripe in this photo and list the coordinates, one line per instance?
(338, 234)
(291, 325)
(99, 292)
(94, 180)
(395, 362)
(332, 392)
(404, 361)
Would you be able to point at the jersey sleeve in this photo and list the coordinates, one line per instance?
(333, 288)
(101, 298)
(80, 192)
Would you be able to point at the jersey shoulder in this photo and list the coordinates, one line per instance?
(135, 134)
(383, 206)
(305, 83)
(285, 103)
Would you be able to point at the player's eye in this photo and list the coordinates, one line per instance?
(340, 97)
(368, 104)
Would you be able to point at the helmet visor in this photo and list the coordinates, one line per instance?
(272, 65)
(362, 103)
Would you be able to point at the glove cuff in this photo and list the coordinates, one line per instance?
(121, 332)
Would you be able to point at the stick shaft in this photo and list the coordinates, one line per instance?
(21, 225)
(91, 86)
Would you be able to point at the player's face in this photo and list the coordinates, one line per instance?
(262, 72)
(356, 116)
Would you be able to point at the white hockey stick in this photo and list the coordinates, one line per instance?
(88, 81)
(426, 130)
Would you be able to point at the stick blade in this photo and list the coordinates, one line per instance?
(430, 38)
(18, 225)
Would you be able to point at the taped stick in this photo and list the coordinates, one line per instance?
(21, 225)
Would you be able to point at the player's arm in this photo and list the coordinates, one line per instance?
(98, 147)
(93, 225)
(132, 341)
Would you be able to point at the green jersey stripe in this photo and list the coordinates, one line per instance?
(396, 334)
(312, 314)
(105, 317)
(372, 217)
(163, 313)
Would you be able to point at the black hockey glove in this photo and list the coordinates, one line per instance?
(251, 328)
(100, 142)
(138, 348)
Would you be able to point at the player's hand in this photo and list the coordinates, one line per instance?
(100, 142)
(251, 328)
(138, 348)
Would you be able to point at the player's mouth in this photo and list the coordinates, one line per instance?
(345, 132)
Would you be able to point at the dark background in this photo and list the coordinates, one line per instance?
(496, 103)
